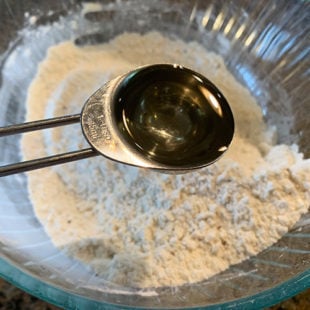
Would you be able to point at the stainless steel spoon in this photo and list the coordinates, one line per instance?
(163, 117)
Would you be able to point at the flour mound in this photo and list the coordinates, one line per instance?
(144, 229)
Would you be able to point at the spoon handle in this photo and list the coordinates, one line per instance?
(40, 124)
(46, 161)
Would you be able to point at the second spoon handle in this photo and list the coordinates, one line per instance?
(46, 161)
(40, 124)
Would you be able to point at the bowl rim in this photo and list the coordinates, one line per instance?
(63, 298)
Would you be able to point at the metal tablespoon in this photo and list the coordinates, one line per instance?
(163, 117)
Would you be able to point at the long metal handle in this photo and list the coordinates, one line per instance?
(38, 125)
(45, 161)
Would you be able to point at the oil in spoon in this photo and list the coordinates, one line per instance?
(174, 116)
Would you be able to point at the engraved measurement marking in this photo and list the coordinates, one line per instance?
(92, 129)
(97, 128)
(105, 132)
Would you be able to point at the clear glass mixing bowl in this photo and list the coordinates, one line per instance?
(265, 44)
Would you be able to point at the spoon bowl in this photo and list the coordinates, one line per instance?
(164, 117)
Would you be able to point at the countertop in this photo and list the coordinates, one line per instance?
(12, 298)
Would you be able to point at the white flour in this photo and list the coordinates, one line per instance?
(141, 228)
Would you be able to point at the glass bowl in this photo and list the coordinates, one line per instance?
(265, 44)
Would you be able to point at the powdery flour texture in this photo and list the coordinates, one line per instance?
(144, 229)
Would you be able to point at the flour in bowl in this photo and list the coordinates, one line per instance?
(140, 228)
